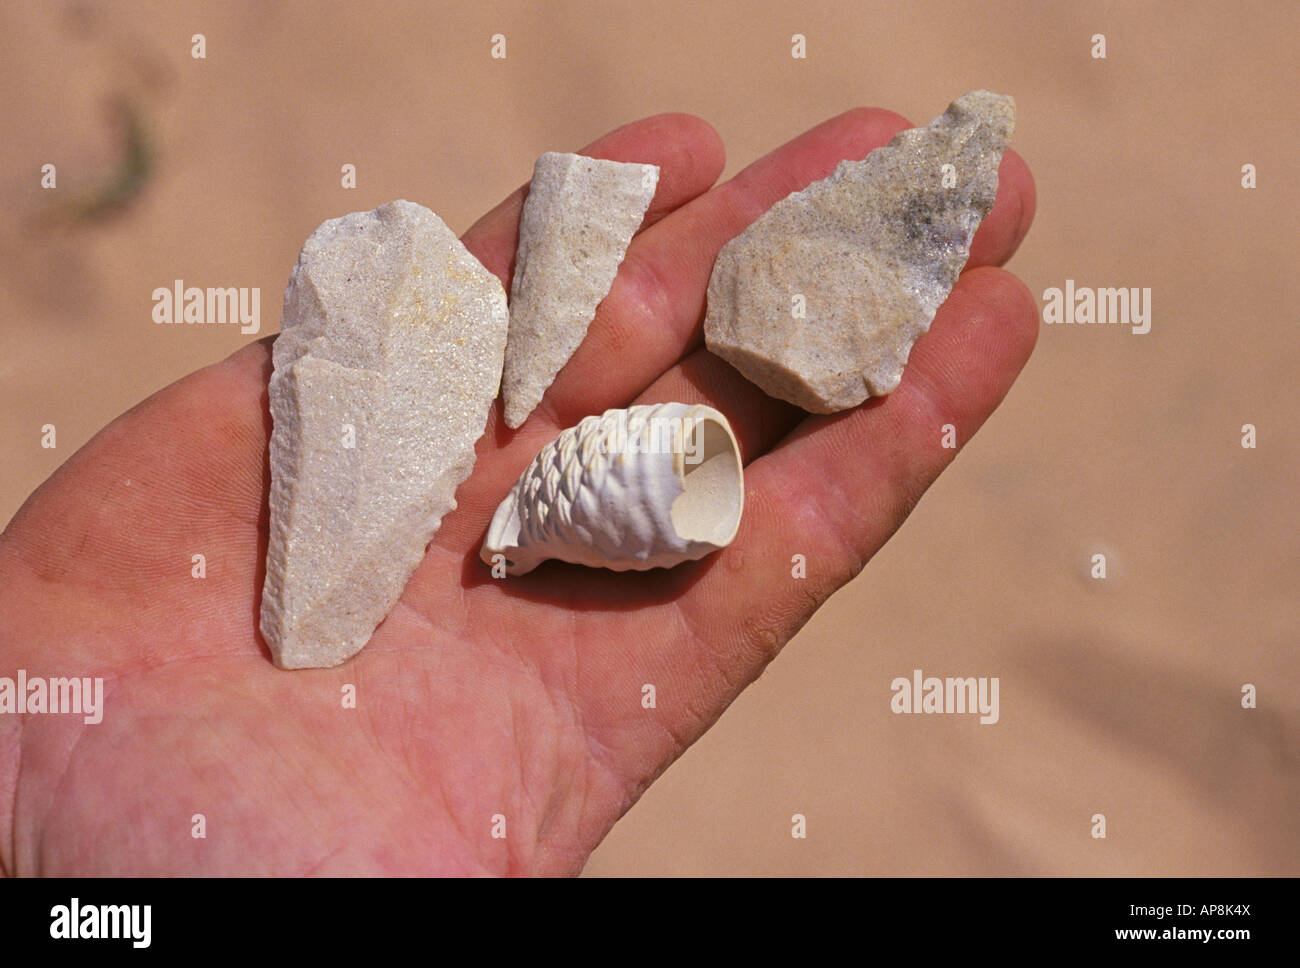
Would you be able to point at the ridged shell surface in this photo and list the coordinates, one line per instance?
(646, 487)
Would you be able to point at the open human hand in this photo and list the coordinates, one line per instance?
(482, 707)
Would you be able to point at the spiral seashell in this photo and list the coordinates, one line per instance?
(646, 487)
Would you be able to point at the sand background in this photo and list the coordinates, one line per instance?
(1119, 696)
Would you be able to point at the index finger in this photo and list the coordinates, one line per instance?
(687, 150)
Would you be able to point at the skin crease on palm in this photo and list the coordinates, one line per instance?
(476, 696)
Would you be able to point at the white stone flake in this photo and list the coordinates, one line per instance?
(578, 219)
(389, 357)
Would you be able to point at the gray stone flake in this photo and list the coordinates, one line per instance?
(867, 255)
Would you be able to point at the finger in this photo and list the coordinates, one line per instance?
(201, 488)
(759, 420)
(687, 150)
(653, 315)
(838, 486)
(832, 490)
(1005, 227)
(654, 310)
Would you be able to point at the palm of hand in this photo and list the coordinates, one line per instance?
(482, 707)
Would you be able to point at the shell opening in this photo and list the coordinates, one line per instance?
(708, 509)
